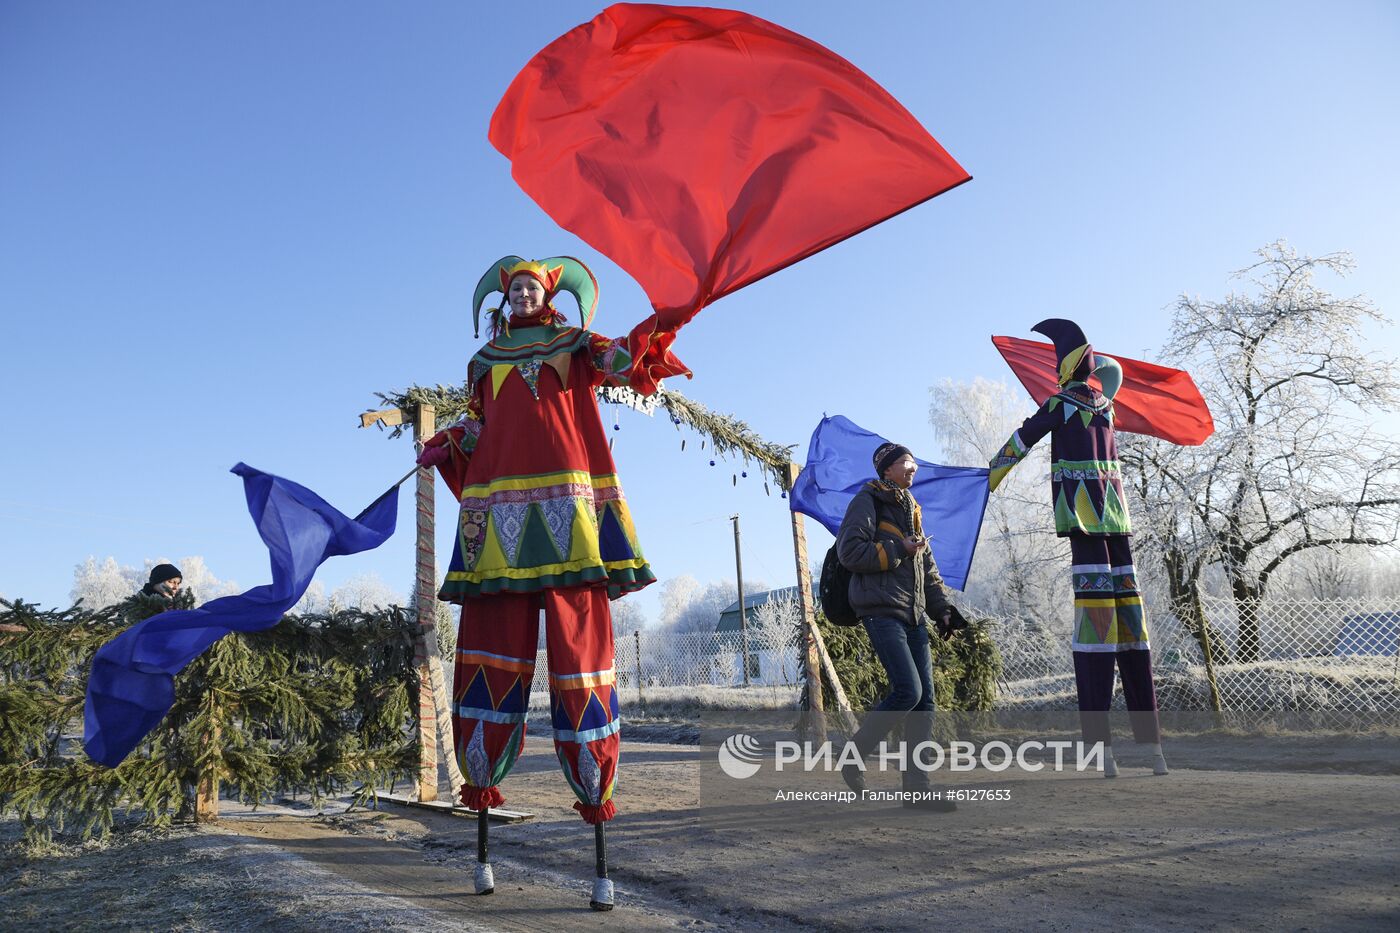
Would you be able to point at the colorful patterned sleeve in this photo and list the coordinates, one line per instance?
(1019, 444)
(467, 429)
(612, 363)
(460, 438)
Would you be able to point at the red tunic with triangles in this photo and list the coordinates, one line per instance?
(541, 505)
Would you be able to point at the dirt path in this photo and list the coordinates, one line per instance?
(206, 879)
(389, 853)
(1277, 835)
(1246, 849)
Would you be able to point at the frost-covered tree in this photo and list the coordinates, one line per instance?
(676, 594)
(313, 600)
(627, 617)
(777, 621)
(99, 585)
(1021, 567)
(686, 606)
(1296, 463)
(366, 592)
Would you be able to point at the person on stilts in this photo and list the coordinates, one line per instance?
(544, 532)
(1086, 487)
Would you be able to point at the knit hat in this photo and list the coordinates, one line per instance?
(162, 572)
(887, 454)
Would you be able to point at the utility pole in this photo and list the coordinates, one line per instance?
(743, 610)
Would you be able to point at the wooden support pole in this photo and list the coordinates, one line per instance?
(845, 717)
(1208, 636)
(432, 684)
(425, 654)
(637, 640)
(206, 791)
(815, 708)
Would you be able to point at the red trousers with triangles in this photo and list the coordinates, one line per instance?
(496, 647)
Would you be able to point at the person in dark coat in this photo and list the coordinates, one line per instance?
(895, 589)
(164, 582)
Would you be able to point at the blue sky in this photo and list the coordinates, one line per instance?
(223, 227)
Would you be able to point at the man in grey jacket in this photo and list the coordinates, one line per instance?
(895, 588)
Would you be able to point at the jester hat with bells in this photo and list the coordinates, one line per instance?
(559, 273)
(1077, 360)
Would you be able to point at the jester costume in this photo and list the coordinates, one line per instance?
(1086, 489)
(543, 529)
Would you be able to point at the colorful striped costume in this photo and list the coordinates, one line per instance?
(1086, 488)
(543, 529)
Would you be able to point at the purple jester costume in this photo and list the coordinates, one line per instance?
(1086, 490)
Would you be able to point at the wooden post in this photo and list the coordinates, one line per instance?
(206, 794)
(810, 636)
(425, 653)
(637, 637)
(845, 717)
(206, 791)
(1207, 636)
(424, 595)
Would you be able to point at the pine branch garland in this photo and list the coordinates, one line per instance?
(727, 434)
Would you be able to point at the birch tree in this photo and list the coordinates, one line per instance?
(627, 617)
(1021, 569)
(1295, 464)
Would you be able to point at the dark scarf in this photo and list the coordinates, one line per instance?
(905, 500)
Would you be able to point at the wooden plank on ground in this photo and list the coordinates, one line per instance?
(446, 806)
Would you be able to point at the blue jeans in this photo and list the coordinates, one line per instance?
(903, 652)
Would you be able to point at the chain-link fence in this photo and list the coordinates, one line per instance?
(673, 671)
(658, 659)
(1278, 655)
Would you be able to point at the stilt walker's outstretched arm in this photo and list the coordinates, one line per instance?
(602, 887)
(485, 881)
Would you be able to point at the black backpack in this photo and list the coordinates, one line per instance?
(836, 592)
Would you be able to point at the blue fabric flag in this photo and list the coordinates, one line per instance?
(953, 498)
(132, 684)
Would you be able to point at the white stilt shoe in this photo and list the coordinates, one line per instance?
(602, 894)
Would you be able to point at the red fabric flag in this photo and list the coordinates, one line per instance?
(1154, 400)
(704, 149)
